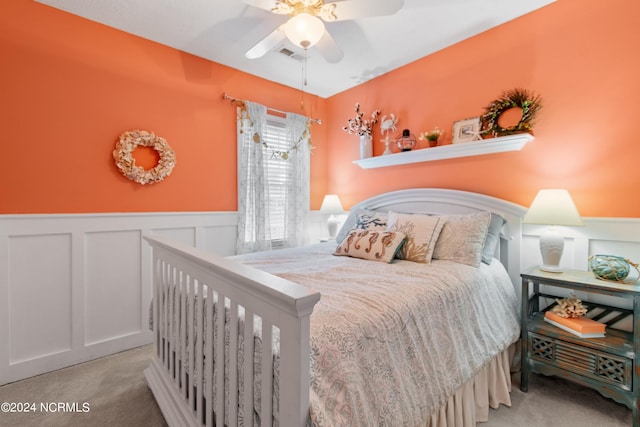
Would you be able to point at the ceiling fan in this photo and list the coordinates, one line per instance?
(305, 27)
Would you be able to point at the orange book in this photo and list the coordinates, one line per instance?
(582, 325)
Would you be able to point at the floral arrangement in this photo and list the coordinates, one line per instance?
(361, 126)
(123, 156)
(431, 135)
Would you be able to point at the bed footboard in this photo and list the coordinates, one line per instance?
(207, 313)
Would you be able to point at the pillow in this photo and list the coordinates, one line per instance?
(362, 219)
(371, 244)
(493, 237)
(422, 233)
(462, 238)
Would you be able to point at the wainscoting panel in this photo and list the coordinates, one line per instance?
(40, 308)
(77, 287)
(114, 285)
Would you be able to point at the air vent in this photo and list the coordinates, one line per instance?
(291, 54)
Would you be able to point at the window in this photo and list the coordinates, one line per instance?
(278, 177)
(273, 192)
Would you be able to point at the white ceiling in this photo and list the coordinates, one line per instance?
(223, 30)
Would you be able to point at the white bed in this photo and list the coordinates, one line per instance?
(323, 361)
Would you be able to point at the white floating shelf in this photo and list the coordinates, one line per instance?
(451, 151)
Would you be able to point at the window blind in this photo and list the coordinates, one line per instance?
(279, 177)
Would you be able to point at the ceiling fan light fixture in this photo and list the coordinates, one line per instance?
(304, 30)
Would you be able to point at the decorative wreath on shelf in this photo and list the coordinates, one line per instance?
(123, 155)
(529, 103)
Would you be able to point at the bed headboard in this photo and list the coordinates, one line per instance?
(444, 201)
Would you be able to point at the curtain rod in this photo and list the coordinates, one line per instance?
(232, 99)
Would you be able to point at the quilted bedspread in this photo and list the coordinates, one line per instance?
(391, 342)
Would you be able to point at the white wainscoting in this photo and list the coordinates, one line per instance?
(77, 287)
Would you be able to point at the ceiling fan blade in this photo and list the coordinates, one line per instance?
(354, 9)
(329, 48)
(267, 43)
(267, 5)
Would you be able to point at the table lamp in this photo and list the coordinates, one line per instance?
(331, 205)
(552, 207)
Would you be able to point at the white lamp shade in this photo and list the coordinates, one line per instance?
(553, 207)
(331, 205)
(304, 30)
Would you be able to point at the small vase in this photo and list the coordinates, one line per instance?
(432, 142)
(366, 146)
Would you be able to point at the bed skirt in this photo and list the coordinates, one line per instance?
(470, 404)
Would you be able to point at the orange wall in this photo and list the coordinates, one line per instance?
(70, 87)
(580, 56)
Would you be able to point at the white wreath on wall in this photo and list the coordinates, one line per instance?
(123, 155)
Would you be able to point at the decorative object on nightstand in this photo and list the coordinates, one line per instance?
(431, 136)
(552, 207)
(568, 315)
(331, 206)
(611, 267)
(407, 141)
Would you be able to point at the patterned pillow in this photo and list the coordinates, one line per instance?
(362, 219)
(371, 244)
(422, 233)
(462, 238)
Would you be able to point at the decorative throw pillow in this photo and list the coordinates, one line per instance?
(362, 219)
(371, 244)
(462, 238)
(422, 233)
(493, 237)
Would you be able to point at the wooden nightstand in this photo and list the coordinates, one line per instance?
(609, 365)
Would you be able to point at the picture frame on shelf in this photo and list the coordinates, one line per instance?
(466, 130)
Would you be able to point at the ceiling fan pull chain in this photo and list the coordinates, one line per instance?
(304, 65)
(304, 78)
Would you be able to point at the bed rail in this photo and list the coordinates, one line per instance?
(189, 381)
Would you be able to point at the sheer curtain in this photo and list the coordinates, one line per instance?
(298, 193)
(253, 191)
(256, 228)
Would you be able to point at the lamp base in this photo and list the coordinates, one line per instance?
(551, 268)
(551, 246)
(332, 226)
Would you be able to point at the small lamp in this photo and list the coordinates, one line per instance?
(331, 205)
(552, 207)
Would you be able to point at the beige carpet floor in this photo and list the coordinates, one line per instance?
(113, 386)
(117, 395)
